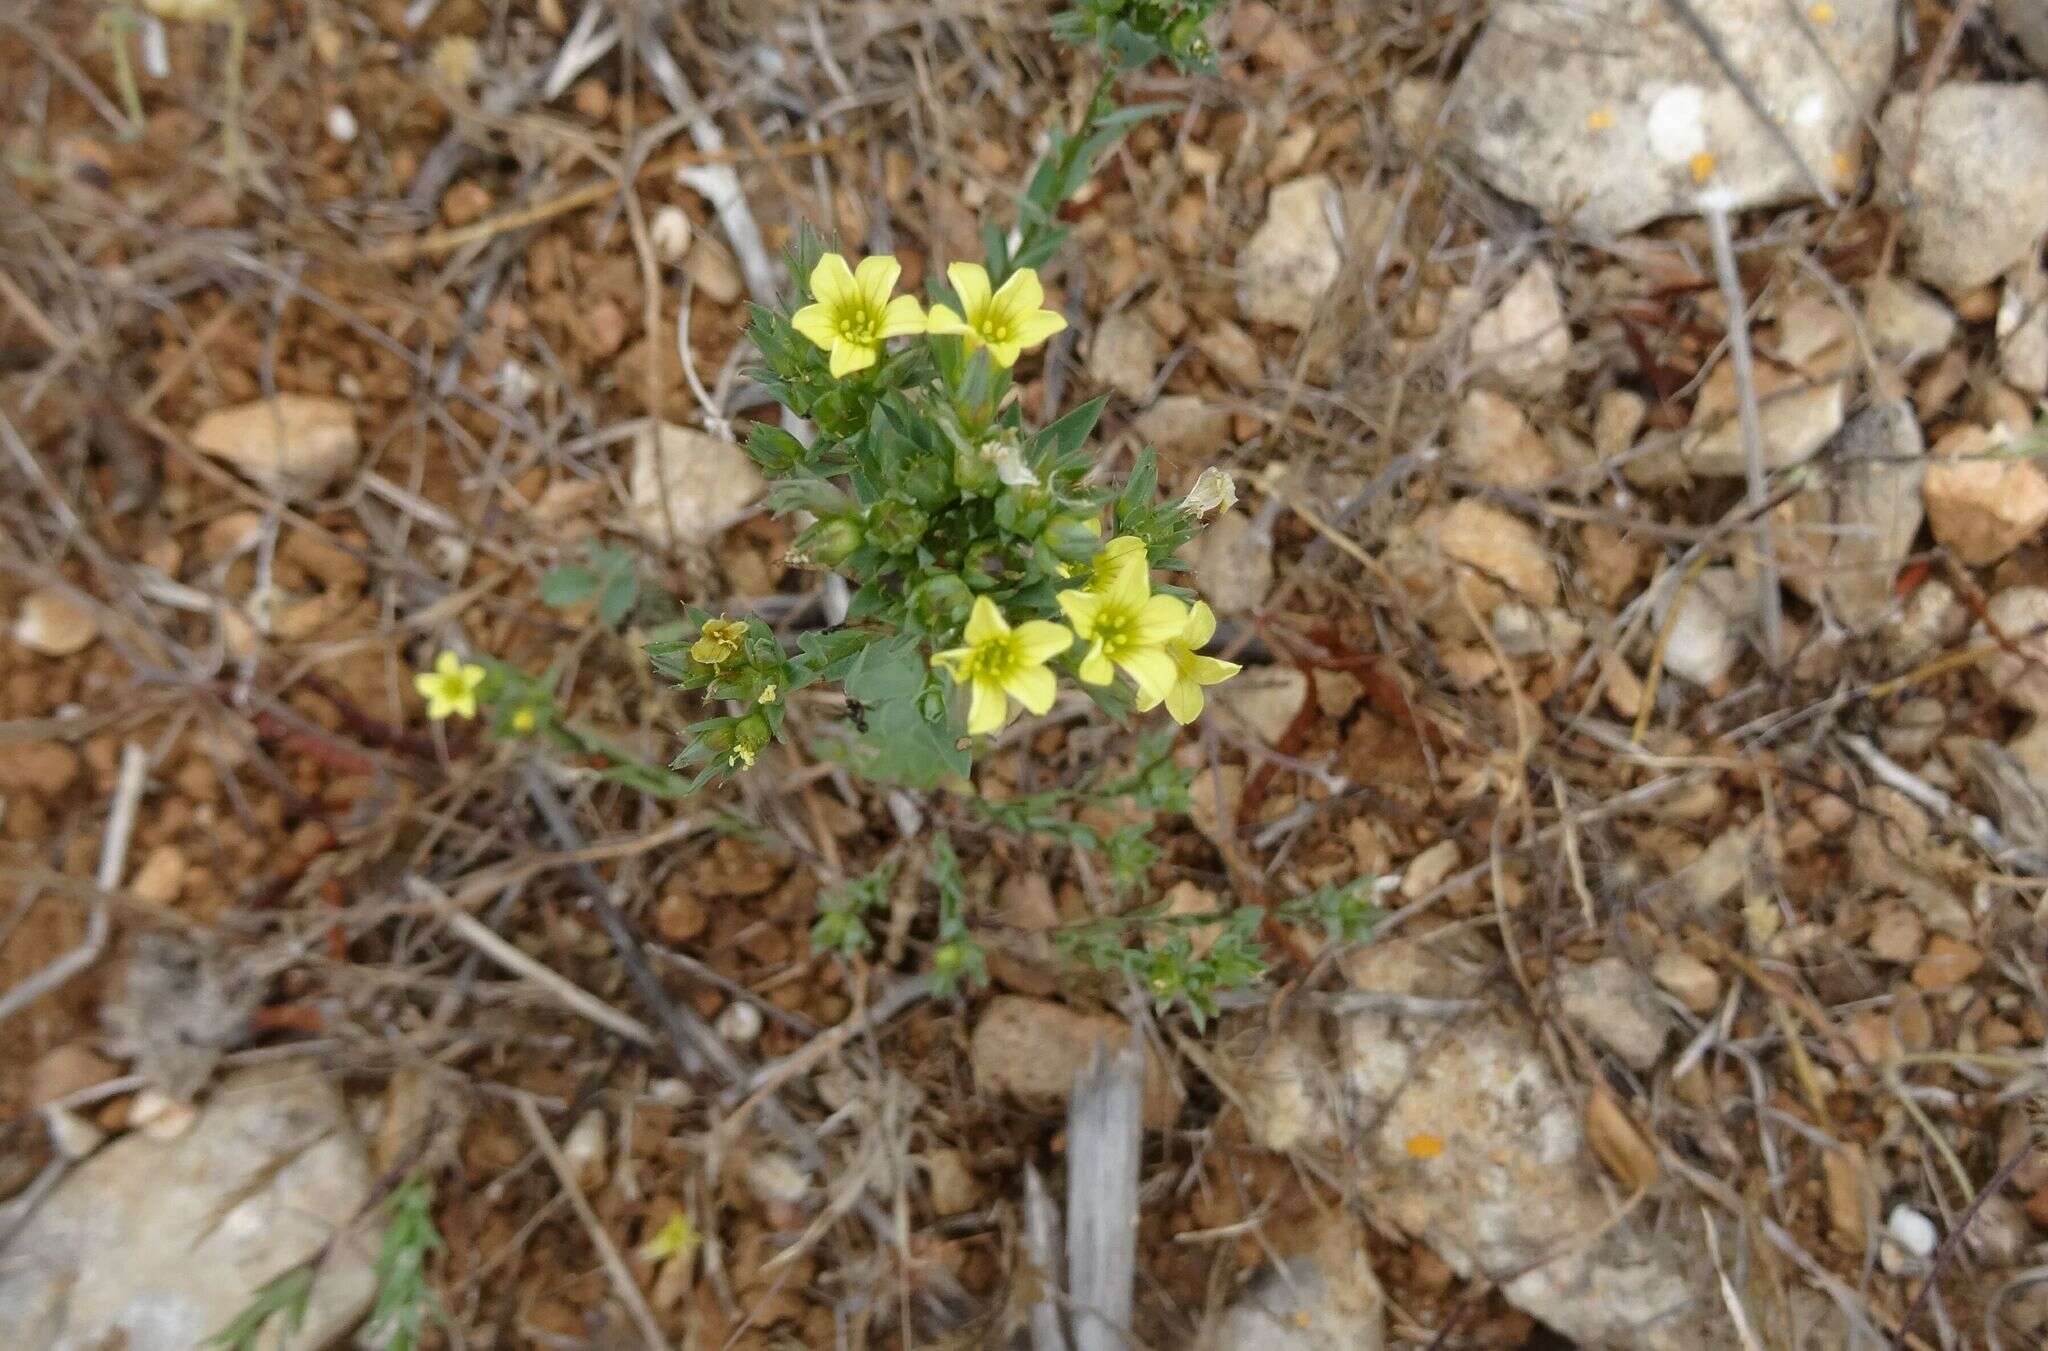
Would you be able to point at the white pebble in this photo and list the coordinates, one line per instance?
(1912, 1231)
(341, 123)
(586, 1145)
(670, 233)
(739, 1023)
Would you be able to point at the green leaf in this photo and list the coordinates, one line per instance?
(567, 585)
(283, 1296)
(615, 602)
(891, 669)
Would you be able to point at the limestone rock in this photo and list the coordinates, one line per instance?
(1607, 114)
(1265, 699)
(686, 485)
(1792, 425)
(297, 445)
(154, 1245)
(1125, 354)
(1980, 506)
(2023, 339)
(1326, 1299)
(1840, 542)
(1706, 638)
(1293, 258)
(1977, 200)
(1906, 324)
(1492, 441)
(2021, 676)
(2027, 22)
(1184, 427)
(1523, 342)
(1031, 1049)
(1615, 1005)
(1233, 564)
(1500, 546)
(54, 625)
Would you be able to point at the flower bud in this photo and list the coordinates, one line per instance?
(1214, 490)
(942, 601)
(895, 527)
(829, 543)
(1074, 539)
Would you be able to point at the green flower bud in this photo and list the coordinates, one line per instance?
(829, 543)
(942, 601)
(1074, 539)
(974, 472)
(749, 735)
(928, 481)
(895, 527)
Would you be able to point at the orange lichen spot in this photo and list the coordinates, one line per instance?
(1423, 1145)
(1822, 12)
(1600, 119)
(1703, 166)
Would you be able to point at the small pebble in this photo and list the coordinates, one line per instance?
(739, 1023)
(1912, 1231)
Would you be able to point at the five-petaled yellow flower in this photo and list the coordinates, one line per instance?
(1125, 626)
(718, 642)
(1191, 669)
(1000, 663)
(851, 314)
(1006, 320)
(450, 688)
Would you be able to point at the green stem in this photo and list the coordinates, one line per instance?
(1038, 220)
(121, 22)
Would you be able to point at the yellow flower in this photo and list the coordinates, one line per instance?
(718, 642)
(1101, 570)
(677, 1238)
(1000, 663)
(766, 696)
(1006, 321)
(851, 314)
(450, 687)
(1125, 626)
(1423, 1145)
(524, 721)
(1192, 670)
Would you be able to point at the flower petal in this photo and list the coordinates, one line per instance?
(1034, 328)
(1184, 702)
(903, 317)
(1201, 625)
(848, 357)
(1159, 619)
(989, 710)
(428, 685)
(970, 283)
(448, 664)
(1020, 295)
(815, 323)
(876, 278)
(1095, 668)
(832, 283)
(1082, 609)
(952, 660)
(1038, 641)
(984, 622)
(1151, 670)
(942, 322)
(1004, 354)
(1129, 580)
(1033, 687)
(463, 705)
(1212, 670)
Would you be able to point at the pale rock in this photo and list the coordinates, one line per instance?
(1688, 980)
(1815, 336)
(1791, 425)
(1720, 871)
(1705, 634)
(1981, 505)
(1906, 324)
(953, 1187)
(155, 1245)
(65, 1070)
(1264, 699)
(1492, 441)
(1931, 619)
(1213, 797)
(776, 1179)
(587, 1147)
(1415, 108)
(1232, 561)
(1523, 342)
(1326, 1299)
(2020, 676)
(1232, 352)
(1030, 1050)
(1607, 114)
(1125, 354)
(1841, 541)
(71, 1135)
(1897, 936)
(1524, 631)
(1999, 1235)
(161, 877)
(713, 270)
(160, 1116)
(1615, 1005)
(1912, 1231)
(53, 624)
(1184, 427)
(1977, 200)
(1498, 545)
(1428, 869)
(1293, 258)
(740, 1023)
(669, 232)
(1513, 1168)
(1616, 420)
(2027, 23)
(686, 485)
(297, 445)
(2023, 340)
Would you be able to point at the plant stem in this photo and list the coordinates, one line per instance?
(120, 22)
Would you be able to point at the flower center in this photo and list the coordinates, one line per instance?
(996, 327)
(858, 325)
(1116, 630)
(995, 659)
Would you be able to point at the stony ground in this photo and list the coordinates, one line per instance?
(1640, 570)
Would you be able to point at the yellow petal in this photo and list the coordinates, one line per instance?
(942, 322)
(1146, 702)
(1129, 581)
(1035, 327)
(448, 664)
(1159, 619)
(815, 322)
(1151, 670)
(970, 283)
(1032, 687)
(952, 660)
(428, 684)
(464, 705)
(984, 622)
(1184, 702)
(1082, 608)
(876, 278)
(988, 710)
(1004, 354)
(1095, 668)
(848, 357)
(1211, 671)
(903, 317)
(1038, 641)
(832, 283)
(1020, 295)
(1201, 625)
